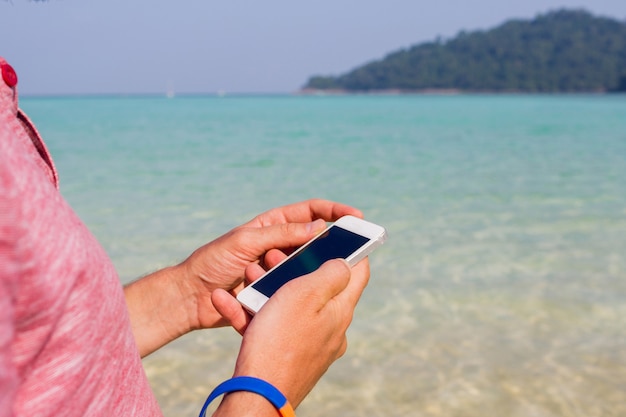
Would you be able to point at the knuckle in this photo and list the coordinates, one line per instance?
(290, 229)
(239, 235)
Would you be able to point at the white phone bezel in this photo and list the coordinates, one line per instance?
(253, 300)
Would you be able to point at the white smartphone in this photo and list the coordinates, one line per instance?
(349, 238)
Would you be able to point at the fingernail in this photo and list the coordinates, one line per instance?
(316, 226)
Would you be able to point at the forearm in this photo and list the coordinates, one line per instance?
(159, 306)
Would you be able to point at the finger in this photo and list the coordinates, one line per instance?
(320, 209)
(305, 211)
(231, 310)
(284, 235)
(323, 284)
(359, 279)
(330, 210)
(253, 272)
(274, 257)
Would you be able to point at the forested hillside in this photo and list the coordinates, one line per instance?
(560, 51)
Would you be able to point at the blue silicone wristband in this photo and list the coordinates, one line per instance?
(252, 384)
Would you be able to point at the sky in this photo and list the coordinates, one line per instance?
(61, 47)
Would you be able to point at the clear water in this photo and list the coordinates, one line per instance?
(501, 290)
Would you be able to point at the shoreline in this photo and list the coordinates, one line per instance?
(446, 92)
(313, 93)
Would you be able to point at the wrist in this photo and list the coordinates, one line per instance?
(159, 308)
(187, 296)
(246, 404)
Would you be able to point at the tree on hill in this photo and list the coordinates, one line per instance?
(621, 86)
(560, 51)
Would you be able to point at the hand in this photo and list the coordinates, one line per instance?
(176, 300)
(222, 263)
(299, 332)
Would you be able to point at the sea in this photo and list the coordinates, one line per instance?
(501, 290)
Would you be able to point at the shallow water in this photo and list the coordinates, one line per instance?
(501, 290)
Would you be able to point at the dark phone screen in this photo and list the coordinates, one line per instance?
(334, 243)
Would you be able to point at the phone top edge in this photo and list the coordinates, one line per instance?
(361, 226)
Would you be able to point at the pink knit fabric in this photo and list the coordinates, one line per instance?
(66, 346)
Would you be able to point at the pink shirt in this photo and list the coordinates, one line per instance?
(66, 346)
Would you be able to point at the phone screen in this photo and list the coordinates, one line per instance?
(332, 244)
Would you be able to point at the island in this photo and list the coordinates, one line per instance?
(561, 51)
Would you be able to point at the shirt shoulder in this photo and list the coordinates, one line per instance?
(66, 343)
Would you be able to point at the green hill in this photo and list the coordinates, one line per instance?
(560, 51)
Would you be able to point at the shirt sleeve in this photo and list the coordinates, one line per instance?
(8, 374)
(9, 273)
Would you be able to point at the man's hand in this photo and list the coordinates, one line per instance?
(297, 334)
(176, 300)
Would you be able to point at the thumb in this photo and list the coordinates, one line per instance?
(325, 283)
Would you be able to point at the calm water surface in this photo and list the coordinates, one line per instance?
(502, 288)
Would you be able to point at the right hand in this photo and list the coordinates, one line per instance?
(298, 333)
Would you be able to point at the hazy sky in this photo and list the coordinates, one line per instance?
(203, 46)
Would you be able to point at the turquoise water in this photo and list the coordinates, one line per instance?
(502, 288)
